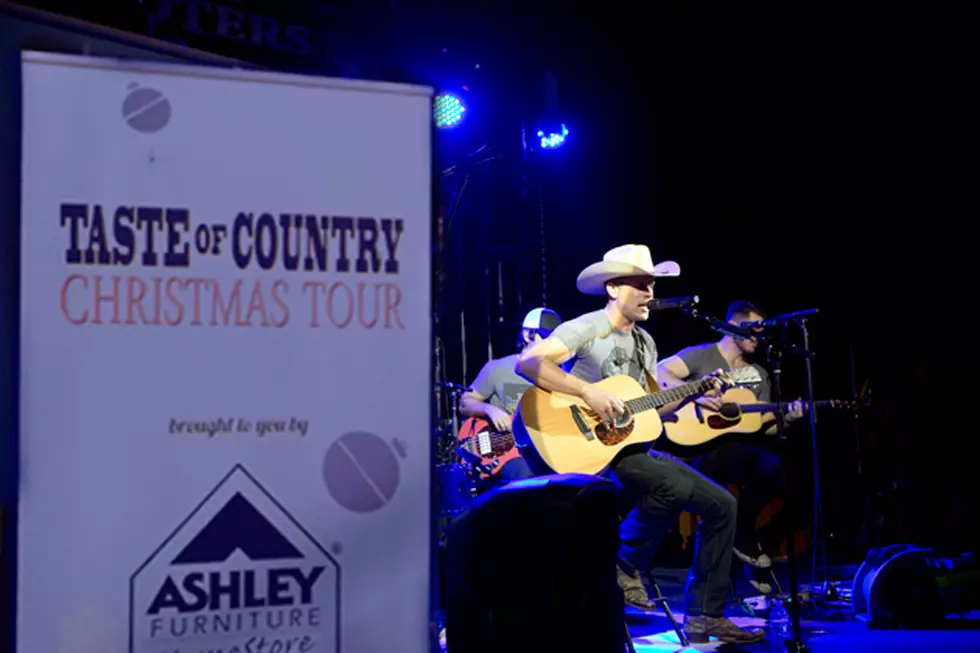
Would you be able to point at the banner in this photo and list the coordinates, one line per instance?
(225, 361)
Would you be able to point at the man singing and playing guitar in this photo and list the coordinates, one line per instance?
(494, 393)
(602, 345)
(756, 471)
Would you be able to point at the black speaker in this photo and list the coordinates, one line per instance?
(531, 566)
(905, 586)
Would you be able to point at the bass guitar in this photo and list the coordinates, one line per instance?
(693, 425)
(560, 434)
(478, 439)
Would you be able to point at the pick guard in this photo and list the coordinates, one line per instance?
(613, 436)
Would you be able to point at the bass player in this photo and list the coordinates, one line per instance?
(756, 471)
(494, 394)
(608, 342)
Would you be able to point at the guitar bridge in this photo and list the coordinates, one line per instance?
(583, 426)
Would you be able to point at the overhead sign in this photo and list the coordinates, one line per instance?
(234, 23)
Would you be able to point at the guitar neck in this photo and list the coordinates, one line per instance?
(772, 408)
(664, 397)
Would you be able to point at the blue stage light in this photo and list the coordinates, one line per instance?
(448, 110)
(553, 141)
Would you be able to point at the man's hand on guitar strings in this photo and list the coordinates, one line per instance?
(499, 418)
(795, 411)
(721, 381)
(711, 399)
(604, 404)
(711, 403)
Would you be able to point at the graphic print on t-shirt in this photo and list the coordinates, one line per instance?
(620, 362)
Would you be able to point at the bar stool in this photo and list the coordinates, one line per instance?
(625, 506)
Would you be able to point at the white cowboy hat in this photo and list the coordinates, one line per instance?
(623, 261)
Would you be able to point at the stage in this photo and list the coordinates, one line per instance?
(833, 629)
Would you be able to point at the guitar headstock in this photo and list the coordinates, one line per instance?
(863, 401)
(745, 375)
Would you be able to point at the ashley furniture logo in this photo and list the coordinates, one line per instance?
(239, 575)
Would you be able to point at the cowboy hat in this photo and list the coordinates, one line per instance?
(623, 261)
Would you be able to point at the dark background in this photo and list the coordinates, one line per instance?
(801, 157)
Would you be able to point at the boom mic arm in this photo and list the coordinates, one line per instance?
(721, 326)
(672, 302)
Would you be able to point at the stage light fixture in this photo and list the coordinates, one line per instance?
(553, 140)
(448, 110)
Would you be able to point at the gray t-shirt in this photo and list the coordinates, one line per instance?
(706, 358)
(500, 384)
(600, 351)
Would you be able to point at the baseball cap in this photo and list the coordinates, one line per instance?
(543, 320)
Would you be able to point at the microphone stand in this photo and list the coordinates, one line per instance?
(800, 318)
(826, 589)
(774, 353)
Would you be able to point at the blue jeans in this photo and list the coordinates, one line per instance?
(514, 470)
(759, 475)
(663, 487)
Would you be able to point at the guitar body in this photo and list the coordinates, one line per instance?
(495, 449)
(694, 430)
(560, 432)
(692, 425)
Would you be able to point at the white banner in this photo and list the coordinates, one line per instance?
(225, 362)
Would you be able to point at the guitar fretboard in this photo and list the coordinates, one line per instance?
(664, 397)
(771, 408)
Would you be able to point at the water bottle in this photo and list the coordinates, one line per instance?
(779, 625)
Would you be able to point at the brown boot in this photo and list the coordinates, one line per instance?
(700, 628)
(634, 592)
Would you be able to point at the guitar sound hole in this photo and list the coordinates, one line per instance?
(623, 420)
(730, 411)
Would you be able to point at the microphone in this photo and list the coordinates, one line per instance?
(777, 320)
(722, 327)
(672, 302)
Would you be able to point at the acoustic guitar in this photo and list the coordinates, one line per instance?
(494, 448)
(693, 425)
(560, 434)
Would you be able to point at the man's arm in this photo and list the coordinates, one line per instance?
(795, 413)
(672, 406)
(539, 365)
(769, 419)
(474, 402)
(675, 371)
(672, 372)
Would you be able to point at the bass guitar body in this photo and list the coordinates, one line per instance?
(495, 448)
(561, 433)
